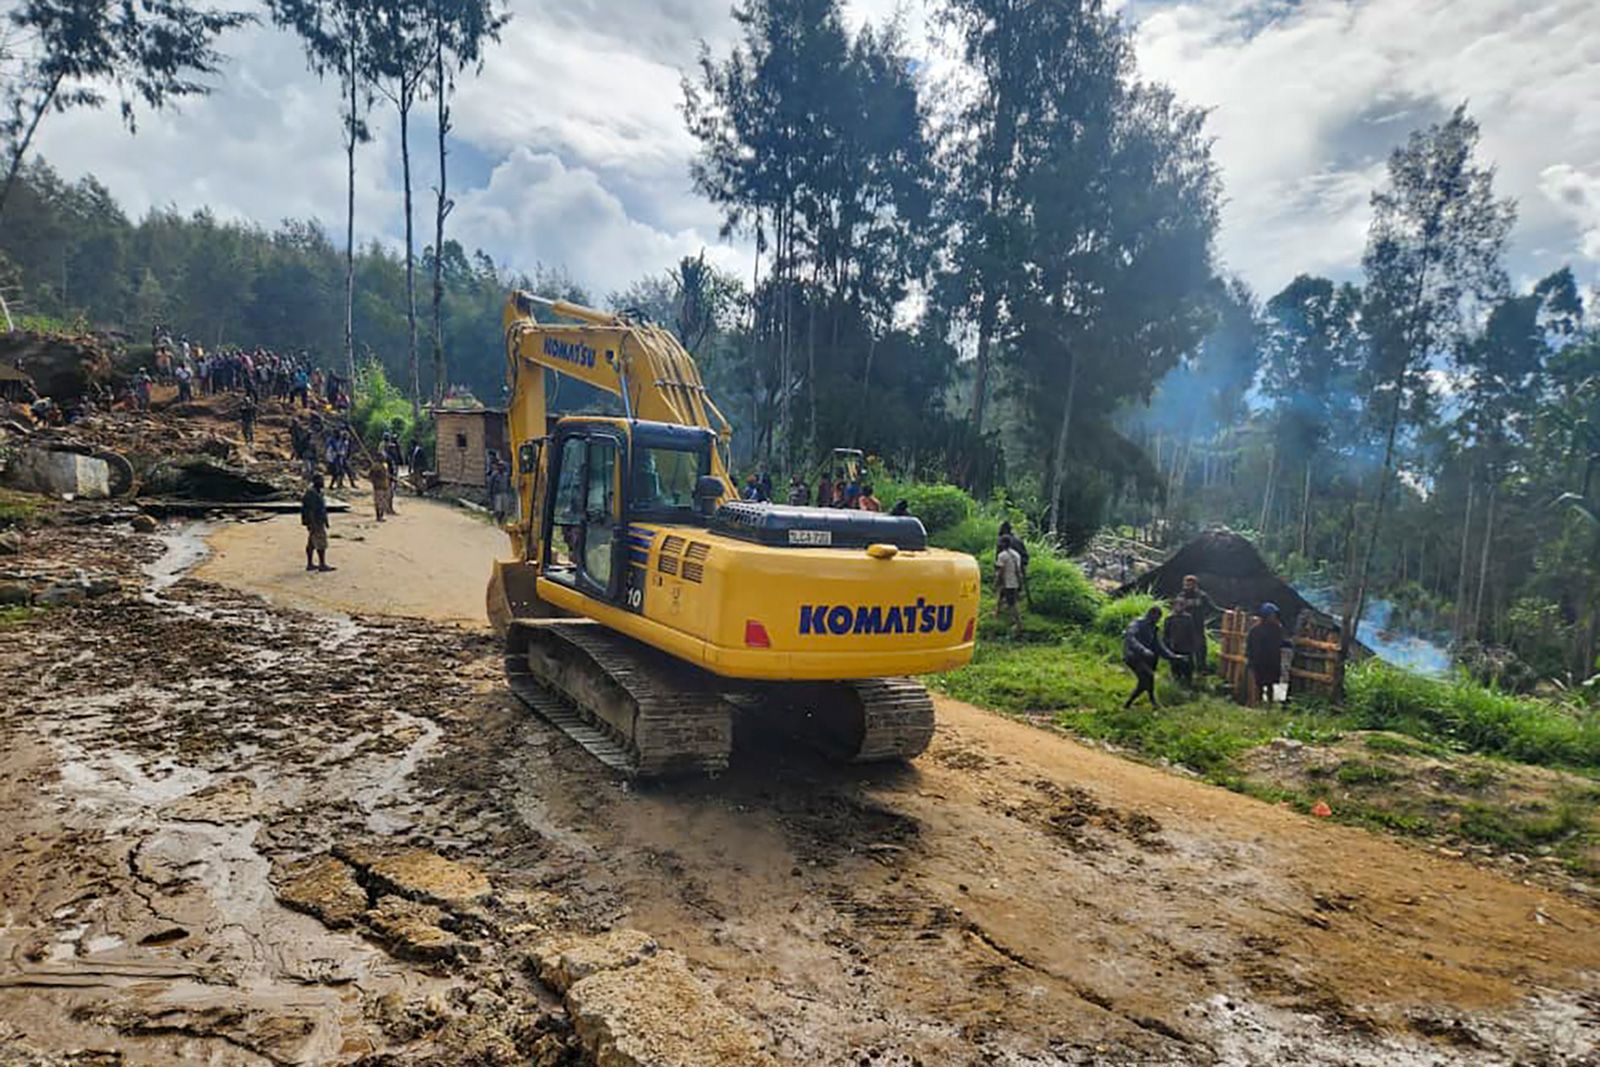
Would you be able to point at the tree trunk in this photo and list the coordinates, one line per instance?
(441, 209)
(411, 269)
(1483, 558)
(1305, 513)
(1461, 574)
(1353, 619)
(1266, 494)
(987, 311)
(352, 130)
(14, 166)
(1058, 468)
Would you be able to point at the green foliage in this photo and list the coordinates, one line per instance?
(1058, 590)
(1470, 716)
(379, 406)
(940, 507)
(975, 535)
(16, 614)
(1115, 616)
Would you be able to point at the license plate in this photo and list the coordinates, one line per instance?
(811, 537)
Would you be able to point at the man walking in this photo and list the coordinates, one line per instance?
(247, 419)
(1142, 649)
(314, 517)
(1008, 584)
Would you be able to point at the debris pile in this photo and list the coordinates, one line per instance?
(63, 366)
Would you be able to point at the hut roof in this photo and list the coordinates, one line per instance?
(1230, 569)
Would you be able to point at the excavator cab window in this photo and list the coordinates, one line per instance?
(601, 512)
(586, 513)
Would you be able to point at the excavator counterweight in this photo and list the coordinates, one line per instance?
(643, 602)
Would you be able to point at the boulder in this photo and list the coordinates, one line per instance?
(657, 1014)
(61, 594)
(14, 593)
(59, 473)
(562, 961)
(62, 366)
(144, 523)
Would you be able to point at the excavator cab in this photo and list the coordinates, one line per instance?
(608, 474)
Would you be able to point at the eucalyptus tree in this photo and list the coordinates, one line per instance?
(65, 54)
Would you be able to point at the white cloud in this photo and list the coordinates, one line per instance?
(536, 207)
(1308, 98)
(570, 148)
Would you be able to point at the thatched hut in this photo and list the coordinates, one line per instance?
(1231, 570)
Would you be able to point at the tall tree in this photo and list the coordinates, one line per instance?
(1433, 253)
(1312, 347)
(68, 50)
(338, 39)
(460, 30)
(401, 56)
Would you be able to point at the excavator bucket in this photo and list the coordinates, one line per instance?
(512, 595)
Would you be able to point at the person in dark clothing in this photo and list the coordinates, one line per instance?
(1263, 652)
(1197, 603)
(247, 419)
(901, 508)
(1017, 543)
(1180, 636)
(1142, 648)
(314, 517)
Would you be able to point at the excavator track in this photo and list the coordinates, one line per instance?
(635, 709)
(867, 721)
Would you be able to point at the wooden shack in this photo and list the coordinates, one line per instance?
(464, 436)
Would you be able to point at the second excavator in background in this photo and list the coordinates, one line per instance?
(644, 602)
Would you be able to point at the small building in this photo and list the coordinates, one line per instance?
(464, 437)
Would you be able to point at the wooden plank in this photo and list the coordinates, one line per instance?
(1296, 672)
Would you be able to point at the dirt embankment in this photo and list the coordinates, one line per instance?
(238, 832)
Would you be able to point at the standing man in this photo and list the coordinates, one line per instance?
(799, 495)
(1263, 654)
(1142, 649)
(378, 475)
(314, 517)
(247, 419)
(1198, 605)
(1008, 584)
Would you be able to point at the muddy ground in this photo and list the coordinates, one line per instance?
(233, 831)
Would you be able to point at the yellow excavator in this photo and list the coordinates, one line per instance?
(644, 602)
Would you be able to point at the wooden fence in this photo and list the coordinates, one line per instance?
(1314, 668)
(1230, 653)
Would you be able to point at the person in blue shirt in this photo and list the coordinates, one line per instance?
(1142, 649)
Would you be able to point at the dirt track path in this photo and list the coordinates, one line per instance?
(1012, 898)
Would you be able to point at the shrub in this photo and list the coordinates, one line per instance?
(1058, 590)
(975, 535)
(379, 405)
(938, 506)
(1472, 716)
(1114, 616)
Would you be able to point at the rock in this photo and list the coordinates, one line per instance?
(411, 931)
(144, 523)
(418, 874)
(61, 594)
(562, 961)
(657, 1014)
(13, 593)
(103, 586)
(10, 543)
(59, 473)
(325, 888)
(200, 477)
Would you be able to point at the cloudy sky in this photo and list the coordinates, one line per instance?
(569, 149)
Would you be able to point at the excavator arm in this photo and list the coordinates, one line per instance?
(638, 362)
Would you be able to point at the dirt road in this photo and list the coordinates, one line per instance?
(186, 764)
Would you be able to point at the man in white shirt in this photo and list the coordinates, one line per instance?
(1008, 582)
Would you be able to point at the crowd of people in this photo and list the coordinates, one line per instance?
(836, 490)
(260, 373)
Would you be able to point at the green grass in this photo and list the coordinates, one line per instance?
(16, 615)
(1082, 682)
(19, 508)
(1470, 717)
